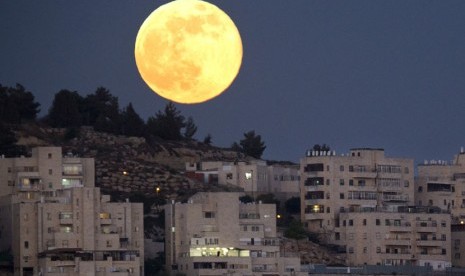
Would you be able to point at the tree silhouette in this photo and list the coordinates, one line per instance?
(208, 139)
(101, 110)
(252, 145)
(17, 104)
(65, 109)
(166, 125)
(131, 122)
(190, 128)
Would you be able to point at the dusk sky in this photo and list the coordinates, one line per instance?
(350, 74)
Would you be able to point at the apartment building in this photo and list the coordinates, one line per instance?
(440, 183)
(255, 177)
(331, 185)
(57, 223)
(215, 234)
(417, 236)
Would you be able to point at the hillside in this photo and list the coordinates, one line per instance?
(129, 166)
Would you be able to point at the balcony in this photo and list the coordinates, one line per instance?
(429, 243)
(398, 242)
(397, 198)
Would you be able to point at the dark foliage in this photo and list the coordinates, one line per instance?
(131, 123)
(292, 205)
(17, 105)
(252, 145)
(65, 110)
(166, 125)
(208, 139)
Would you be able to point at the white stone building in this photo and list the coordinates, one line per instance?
(57, 223)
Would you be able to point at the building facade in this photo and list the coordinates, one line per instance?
(255, 177)
(418, 236)
(442, 184)
(215, 234)
(55, 222)
(331, 185)
(364, 202)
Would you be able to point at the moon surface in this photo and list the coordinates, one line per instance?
(188, 51)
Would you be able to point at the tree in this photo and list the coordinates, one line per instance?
(166, 125)
(295, 231)
(17, 104)
(292, 205)
(8, 141)
(323, 147)
(208, 139)
(190, 128)
(131, 122)
(65, 109)
(101, 110)
(252, 145)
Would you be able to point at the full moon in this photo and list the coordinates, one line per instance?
(188, 51)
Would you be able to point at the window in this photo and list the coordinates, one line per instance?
(420, 189)
(364, 221)
(108, 243)
(328, 210)
(387, 222)
(72, 169)
(341, 168)
(378, 222)
(26, 244)
(317, 167)
(365, 250)
(341, 196)
(49, 156)
(351, 222)
(337, 236)
(341, 182)
(351, 168)
(406, 183)
(443, 251)
(443, 237)
(209, 215)
(50, 171)
(351, 182)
